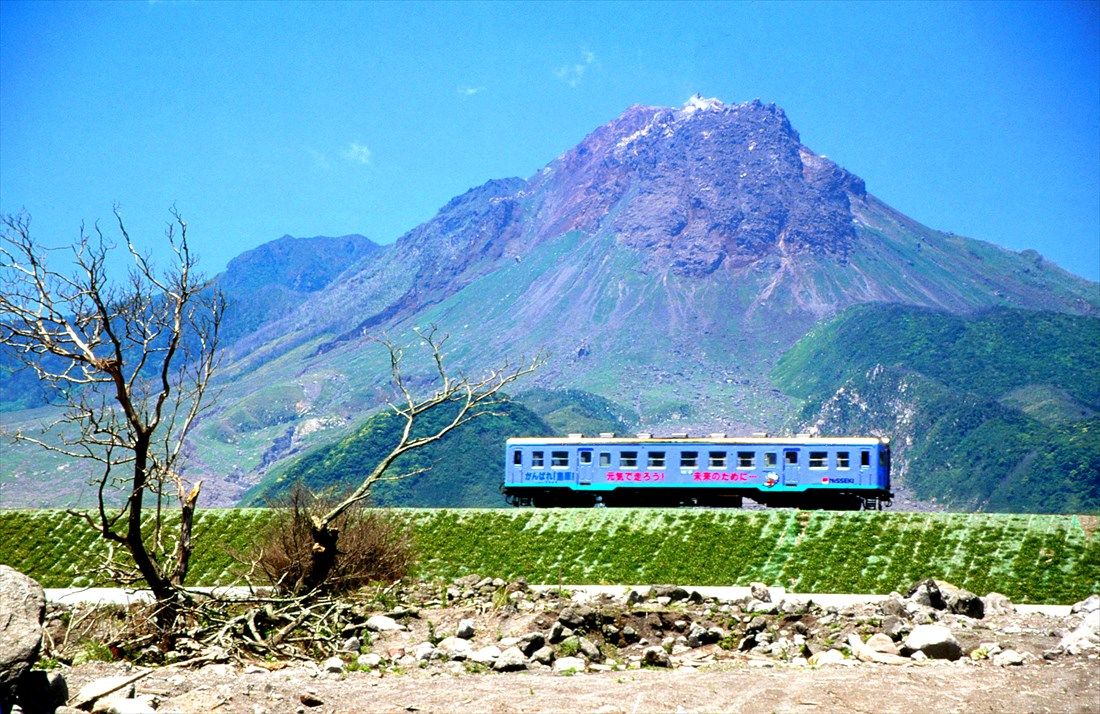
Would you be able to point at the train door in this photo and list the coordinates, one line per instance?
(586, 466)
(792, 467)
(515, 465)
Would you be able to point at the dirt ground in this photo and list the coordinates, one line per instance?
(938, 686)
(723, 655)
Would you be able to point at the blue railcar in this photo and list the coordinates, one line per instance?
(843, 473)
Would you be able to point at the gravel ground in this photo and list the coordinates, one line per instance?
(771, 671)
(1069, 686)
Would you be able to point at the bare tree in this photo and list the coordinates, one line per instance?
(131, 361)
(470, 398)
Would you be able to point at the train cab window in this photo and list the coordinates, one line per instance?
(559, 459)
(536, 459)
(746, 459)
(769, 459)
(717, 459)
(689, 459)
(628, 459)
(865, 459)
(656, 460)
(790, 458)
(605, 459)
(842, 460)
(819, 459)
(586, 458)
(517, 458)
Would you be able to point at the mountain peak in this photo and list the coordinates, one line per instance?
(699, 103)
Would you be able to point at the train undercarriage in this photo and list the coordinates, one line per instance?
(672, 498)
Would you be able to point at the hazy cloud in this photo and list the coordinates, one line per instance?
(465, 91)
(320, 159)
(572, 74)
(357, 152)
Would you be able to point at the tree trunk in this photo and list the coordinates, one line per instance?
(322, 557)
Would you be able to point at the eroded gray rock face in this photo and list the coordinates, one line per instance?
(22, 610)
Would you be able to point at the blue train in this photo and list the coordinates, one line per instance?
(842, 473)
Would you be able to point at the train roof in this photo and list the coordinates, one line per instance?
(765, 440)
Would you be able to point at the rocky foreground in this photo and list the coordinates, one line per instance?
(486, 645)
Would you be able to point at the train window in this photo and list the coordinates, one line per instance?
(865, 459)
(842, 460)
(536, 459)
(605, 459)
(718, 459)
(517, 458)
(791, 458)
(628, 459)
(559, 459)
(656, 460)
(689, 459)
(586, 458)
(746, 459)
(819, 459)
(769, 459)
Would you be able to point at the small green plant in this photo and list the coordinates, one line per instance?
(569, 647)
(476, 667)
(93, 652)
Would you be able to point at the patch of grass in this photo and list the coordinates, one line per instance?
(1029, 558)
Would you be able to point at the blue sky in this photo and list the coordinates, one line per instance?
(261, 119)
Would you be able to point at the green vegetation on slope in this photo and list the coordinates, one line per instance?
(994, 412)
(464, 468)
(574, 411)
(1042, 559)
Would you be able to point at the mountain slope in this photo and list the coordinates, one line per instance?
(963, 398)
(666, 262)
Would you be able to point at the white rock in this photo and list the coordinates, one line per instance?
(569, 664)
(381, 623)
(1008, 658)
(882, 643)
(997, 604)
(455, 648)
(466, 629)
(936, 641)
(334, 665)
(1089, 604)
(98, 688)
(122, 705)
(422, 652)
(369, 659)
(485, 655)
(827, 657)
(510, 659)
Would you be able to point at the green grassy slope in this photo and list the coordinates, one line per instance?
(1043, 559)
(464, 467)
(995, 411)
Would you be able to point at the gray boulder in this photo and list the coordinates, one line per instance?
(1089, 604)
(941, 595)
(656, 657)
(760, 592)
(997, 604)
(935, 641)
(927, 593)
(455, 648)
(961, 601)
(22, 610)
(510, 660)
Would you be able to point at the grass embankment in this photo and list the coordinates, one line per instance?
(1041, 559)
